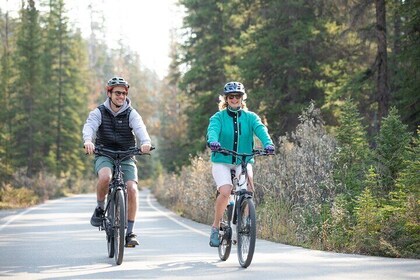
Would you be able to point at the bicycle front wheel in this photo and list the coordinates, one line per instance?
(226, 238)
(119, 226)
(109, 230)
(247, 232)
(110, 234)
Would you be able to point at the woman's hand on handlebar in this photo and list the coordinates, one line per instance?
(269, 149)
(89, 147)
(214, 146)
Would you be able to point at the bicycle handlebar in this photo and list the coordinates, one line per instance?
(120, 154)
(257, 152)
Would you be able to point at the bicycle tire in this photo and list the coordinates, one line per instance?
(109, 229)
(226, 238)
(119, 226)
(247, 232)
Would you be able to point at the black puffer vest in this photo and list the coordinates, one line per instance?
(114, 132)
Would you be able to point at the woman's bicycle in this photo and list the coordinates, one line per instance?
(115, 217)
(238, 224)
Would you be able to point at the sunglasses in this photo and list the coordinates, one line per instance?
(118, 93)
(234, 96)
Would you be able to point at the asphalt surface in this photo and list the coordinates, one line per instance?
(56, 241)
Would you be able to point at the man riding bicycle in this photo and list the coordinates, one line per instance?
(115, 125)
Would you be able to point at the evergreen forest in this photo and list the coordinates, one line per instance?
(336, 83)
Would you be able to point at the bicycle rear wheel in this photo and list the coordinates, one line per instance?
(119, 226)
(246, 232)
(226, 238)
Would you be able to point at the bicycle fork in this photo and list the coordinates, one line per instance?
(106, 224)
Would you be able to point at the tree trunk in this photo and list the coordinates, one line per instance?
(382, 78)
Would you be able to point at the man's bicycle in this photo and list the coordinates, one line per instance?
(238, 224)
(115, 217)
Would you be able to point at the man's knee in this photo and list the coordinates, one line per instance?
(104, 176)
(132, 188)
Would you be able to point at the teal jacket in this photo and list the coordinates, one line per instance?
(235, 131)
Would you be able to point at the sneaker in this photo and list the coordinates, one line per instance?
(131, 240)
(97, 217)
(214, 237)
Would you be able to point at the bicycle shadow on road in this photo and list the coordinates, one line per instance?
(171, 270)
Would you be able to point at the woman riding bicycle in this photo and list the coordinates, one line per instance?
(233, 127)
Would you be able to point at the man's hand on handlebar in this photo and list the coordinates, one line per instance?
(145, 148)
(89, 147)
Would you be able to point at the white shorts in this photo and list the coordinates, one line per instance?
(221, 173)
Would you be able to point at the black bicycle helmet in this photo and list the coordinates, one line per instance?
(117, 81)
(234, 87)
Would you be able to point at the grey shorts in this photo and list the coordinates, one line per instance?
(128, 167)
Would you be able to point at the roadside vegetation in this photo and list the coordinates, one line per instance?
(327, 191)
(23, 191)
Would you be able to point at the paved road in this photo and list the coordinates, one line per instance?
(56, 241)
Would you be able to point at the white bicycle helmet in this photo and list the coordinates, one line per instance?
(117, 81)
(234, 87)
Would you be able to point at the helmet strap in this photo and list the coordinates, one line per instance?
(234, 109)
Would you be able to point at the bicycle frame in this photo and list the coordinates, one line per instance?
(117, 182)
(117, 195)
(240, 185)
(238, 226)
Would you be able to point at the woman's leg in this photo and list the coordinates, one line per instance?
(221, 203)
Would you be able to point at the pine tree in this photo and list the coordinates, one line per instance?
(391, 150)
(173, 128)
(353, 152)
(407, 199)
(204, 56)
(65, 78)
(405, 86)
(26, 123)
(280, 64)
(7, 26)
(368, 222)
(409, 177)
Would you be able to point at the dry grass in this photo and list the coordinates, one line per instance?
(190, 194)
(24, 191)
(11, 198)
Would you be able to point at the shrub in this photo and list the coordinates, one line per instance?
(11, 197)
(45, 186)
(368, 223)
(299, 178)
(191, 193)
